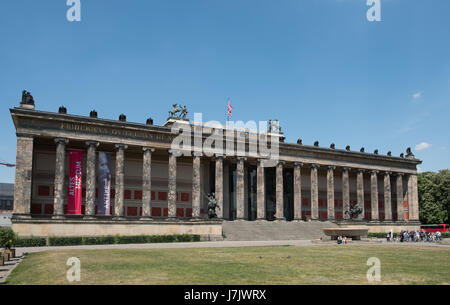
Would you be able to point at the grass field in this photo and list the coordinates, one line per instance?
(246, 265)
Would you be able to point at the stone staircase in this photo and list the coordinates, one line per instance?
(274, 230)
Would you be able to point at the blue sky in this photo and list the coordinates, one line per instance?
(320, 67)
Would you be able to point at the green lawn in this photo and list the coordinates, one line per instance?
(305, 265)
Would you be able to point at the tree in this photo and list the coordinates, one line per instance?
(434, 196)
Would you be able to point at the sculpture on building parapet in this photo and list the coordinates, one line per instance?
(316, 143)
(178, 111)
(93, 114)
(62, 110)
(389, 153)
(27, 98)
(274, 126)
(122, 118)
(402, 155)
(332, 146)
(375, 151)
(347, 148)
(362, 149)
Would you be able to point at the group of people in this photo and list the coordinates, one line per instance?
(342, 240)
(414, 236)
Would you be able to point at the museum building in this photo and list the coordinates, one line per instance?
(152, 190)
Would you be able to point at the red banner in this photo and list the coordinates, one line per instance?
(75, 182)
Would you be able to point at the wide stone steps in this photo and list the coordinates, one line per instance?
(274, 230)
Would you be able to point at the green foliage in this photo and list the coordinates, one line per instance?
(105, 240)
(98, 240)
(65, 241)
(7, 238)
(434, 197)
(379, 235)
(30, 242)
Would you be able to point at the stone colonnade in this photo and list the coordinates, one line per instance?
(22, 195)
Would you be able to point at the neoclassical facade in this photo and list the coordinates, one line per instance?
(153, 187)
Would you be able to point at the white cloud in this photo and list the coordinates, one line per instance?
(417, 95)
(422, 145)
(419, 169)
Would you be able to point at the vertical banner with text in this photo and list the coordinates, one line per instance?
(104, 184)
(75, 182)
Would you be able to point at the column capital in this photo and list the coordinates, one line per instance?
(174, 152)
(331, 167)
(345, 169)
(300, 164)
(197, 153)
(398, 174)
(92, 143)
(374, 172)
(387, 173)
(61, 140)
(146, 148)
(241, 158)
(360, 170)
(219, 156)
(314, 165)
(280, 163)
(120, 146)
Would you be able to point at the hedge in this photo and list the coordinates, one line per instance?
(104, 240)
(30, 242)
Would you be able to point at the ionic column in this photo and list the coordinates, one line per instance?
(60, 173)
(260, 191)
(91, 178)
(172, 184)
(330, 192)
(119, 181)
(414, 197)
(314, 192)
(240, 188)
(400, 210)
(196, 185)
(147, 182)
(23, 176)
(360, 190)
(298, 190)
(345, 192)
(219, 185)
(374, 195)
(279, 212)
(387, 197)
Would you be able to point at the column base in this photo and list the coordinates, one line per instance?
(21, 216)
(89, 217)
(57, 217)
(119, 218)
(146, 218)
